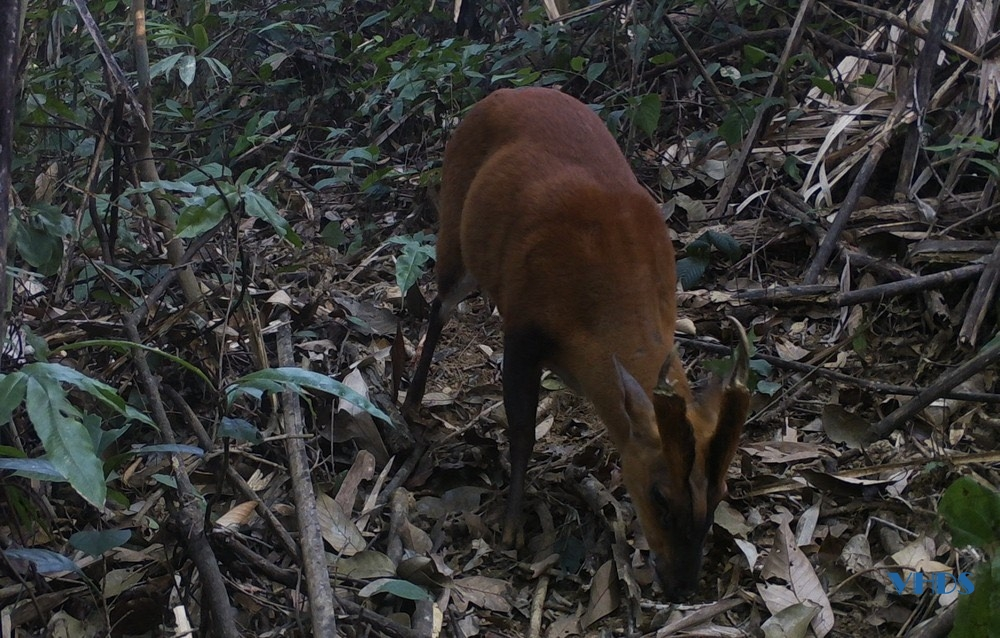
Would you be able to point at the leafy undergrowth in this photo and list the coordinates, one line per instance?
(808, 519)
(823, 515)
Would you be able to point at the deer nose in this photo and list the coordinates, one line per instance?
(679, 577)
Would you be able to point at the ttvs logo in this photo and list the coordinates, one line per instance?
(937, 582)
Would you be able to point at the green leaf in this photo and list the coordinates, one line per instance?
(98, 390)
(261, 207)
(978, 614)
(11, 394)
(410, 265)
(690, 270)
(36, 469)
(45, 561)
(395, 586)
(95, 543)
(375, 18)
(200, 37)
(239, 429)
(196, 219)
(164, 65)
(595, 70)
(119, 344)
(731, 130)
(770, 388)
(754, 55)
(972, 512)
(725, 243)
(298, 381)
(647, 114)
(824, 85)
(67, 442)
(40, 249)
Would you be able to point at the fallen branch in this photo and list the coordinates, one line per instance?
(824, 295)
(988, 357)
(805, 368)
(982, 300)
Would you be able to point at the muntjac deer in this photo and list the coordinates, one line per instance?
(540, 207)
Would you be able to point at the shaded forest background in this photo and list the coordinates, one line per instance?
(219, 245)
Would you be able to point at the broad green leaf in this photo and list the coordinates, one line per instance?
(46, 562)
(11, 394)
(725, 243)
(37, 469)
(298, 380)
(395, 586)
(261, 207)
(410, 265)
(200, 37)
(647, 114)
(196, 220)
(690, 271)
(67, 443)
(95, 543)
(40, 249)
(164, 65)
(972, 512)
(978, 614)
(239, 429)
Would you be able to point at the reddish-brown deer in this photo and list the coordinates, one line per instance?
(540, 208)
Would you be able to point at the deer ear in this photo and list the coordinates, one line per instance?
(636, 405)
(734, 403)
(677, 439)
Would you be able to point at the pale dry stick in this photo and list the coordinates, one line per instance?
(538, 607)
(982, 300)
(987, 358)
(805, 368)
(321, 597)
(750, 140)
(691, 621)
(789, 485)
(898, 116)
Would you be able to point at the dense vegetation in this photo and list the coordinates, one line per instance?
(220, 231)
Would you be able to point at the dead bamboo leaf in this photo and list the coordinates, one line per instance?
(603, 595)
(339, 531)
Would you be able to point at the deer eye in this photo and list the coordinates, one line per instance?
(660, 501)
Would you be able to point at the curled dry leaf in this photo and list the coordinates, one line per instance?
(857, 554)
(339, 531)
(843, 426)
(366, 565)
(236, 516)
(787, 562)
(483, 592)
(280, 298)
